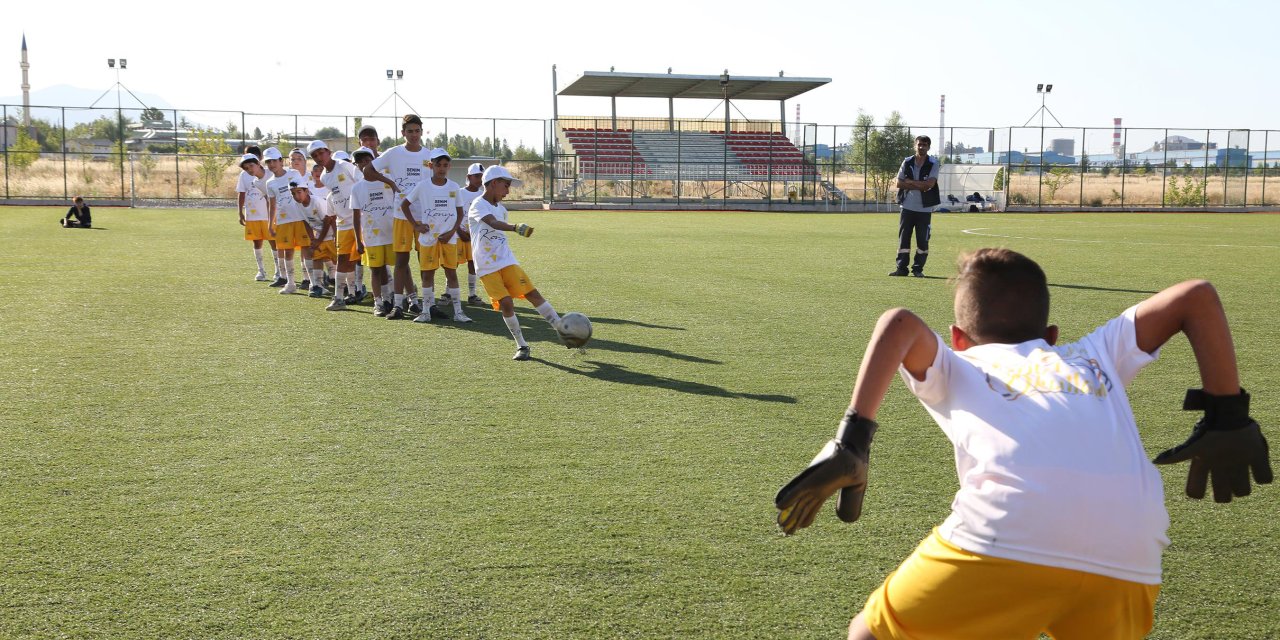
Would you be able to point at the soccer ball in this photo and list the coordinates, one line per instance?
(574, 329)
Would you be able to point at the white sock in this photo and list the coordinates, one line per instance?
(456, 297)
(359, 275)
(471, 283)
(279, 265)
(513, 323)
(257, 255)
(550, 314)
(429, 294)
(317, 277)
(349, 278)
(386, 291)
(288, 271)
(399, 299)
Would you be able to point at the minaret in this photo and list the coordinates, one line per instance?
(26, 86)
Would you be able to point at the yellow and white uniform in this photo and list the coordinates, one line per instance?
(439, 206)
(256, 223)
(1056, 496)
(291, 232)
(339, 182)
(465, 198)
(375, 202)
(499, 272)
(405, 168)
(314, 213)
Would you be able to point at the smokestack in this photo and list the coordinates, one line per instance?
(1116, 145)
(942, 124)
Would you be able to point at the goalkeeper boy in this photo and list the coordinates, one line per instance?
(1059, 522)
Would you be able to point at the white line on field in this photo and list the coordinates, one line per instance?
(977, 231)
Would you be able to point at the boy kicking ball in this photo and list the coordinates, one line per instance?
(501, 275)
(1059, 522)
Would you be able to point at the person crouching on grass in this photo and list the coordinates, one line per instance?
(1059, 522)
(501, 275)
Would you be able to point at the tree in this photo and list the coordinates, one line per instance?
(1056, 178)
(998, 183)
(1106, 170)
(146, 162)
(328, 133)
(24, 152)
(152, 114)
(214, 156)
(1190, 193)
(257, 133)
(1084, 163)
(881, 151)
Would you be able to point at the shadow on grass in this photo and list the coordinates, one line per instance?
(522, 311)
(1088, 288)
(622, 375)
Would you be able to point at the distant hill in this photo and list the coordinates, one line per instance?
(62, 95)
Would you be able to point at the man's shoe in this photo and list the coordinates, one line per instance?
(380, 308)
(414, 307)
(305, 284)
(918, 273)
(898, 272)
(288, 289)
(475, 300)
(318, 292)
(521, 354)
(436, 313)
(261, 277)
(336, 305)
(423, 317)
(461, 317)
(278, 282)
(395, 313)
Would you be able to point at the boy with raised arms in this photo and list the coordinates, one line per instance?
(501, 275)
(1059, 522)
(465, 197)
(372, 202)
(286, 220)
(441, 214)
(252, 205)
(406, 164)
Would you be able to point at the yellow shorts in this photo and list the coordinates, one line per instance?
(507, 281)
(438, 255)
(326, 252)
(942, 591)
(379, 256)
(464, 251)
(347, 245)
(292, 235)
(257, 230)
(403, 238)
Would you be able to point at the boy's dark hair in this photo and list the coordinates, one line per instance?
(254, 149)
(926, 140)
(1002, 296)
(411, 118)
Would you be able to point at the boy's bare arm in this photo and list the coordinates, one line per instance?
(1193, 308)
(900, 338)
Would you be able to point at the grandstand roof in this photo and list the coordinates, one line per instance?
(668, 85)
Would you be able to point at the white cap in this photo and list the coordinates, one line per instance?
(299, 185)
(247, 157)
(297, 150)
(368, 127)
(498, 171)
(437, 153)
(342, 155)
(271, 153)
(365, 150)
(316, 145)
(475, 169)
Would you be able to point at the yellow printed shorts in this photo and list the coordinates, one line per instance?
(379, 256)
(257, 230)
(464, 251)
(403, 238)
(438, 255)
(326, 251)
(347, 245)
(943, 591)
(507, 281)
(292, 235)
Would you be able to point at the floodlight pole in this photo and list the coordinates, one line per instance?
(724, 168)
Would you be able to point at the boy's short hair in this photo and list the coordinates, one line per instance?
(254, 149)
(1002, 297)
(78, 199)
(411, 118)
(926, 140)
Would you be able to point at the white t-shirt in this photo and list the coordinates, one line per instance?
(278, 190)
(375, 200)
(317, 190)
(439, 206)
(465, 198)
(314, 214)
(339, 182)
(489, 246)
(406, 168)
(1052, 471)
(255, 197)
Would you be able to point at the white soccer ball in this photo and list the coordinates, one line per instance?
(575, 329)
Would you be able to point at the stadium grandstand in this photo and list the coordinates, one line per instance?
(712, 158)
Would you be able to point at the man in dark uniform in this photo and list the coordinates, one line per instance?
(80, 211)
(918, 195)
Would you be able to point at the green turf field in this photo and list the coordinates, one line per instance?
(187, 454)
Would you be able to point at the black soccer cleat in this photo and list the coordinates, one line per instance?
(395, 313)
(898, 272)
(380, 309)
(917, 273)
(522, 354)
(414, 308)
(278, 282)
(438, 314)
(475, 301)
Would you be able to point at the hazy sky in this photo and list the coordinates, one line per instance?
(1156, 64)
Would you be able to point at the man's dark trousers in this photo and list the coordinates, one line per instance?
(917, 221)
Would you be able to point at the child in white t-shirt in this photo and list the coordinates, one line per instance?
(1059, 522)
(436, 199)
(501, 275)
(466, 196)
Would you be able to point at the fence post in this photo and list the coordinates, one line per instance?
(65, 192)
(1204, 199)
(1165, 173)
(5, 150)
(1124, 165)
(1084, 137)
(177, 169)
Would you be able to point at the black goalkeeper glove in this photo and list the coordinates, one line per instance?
(1224, 445)
(840, 465)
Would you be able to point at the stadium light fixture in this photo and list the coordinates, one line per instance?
(123, 63)
(111, 62)
(1040, 88)
(1048, 88)
(390, 74)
